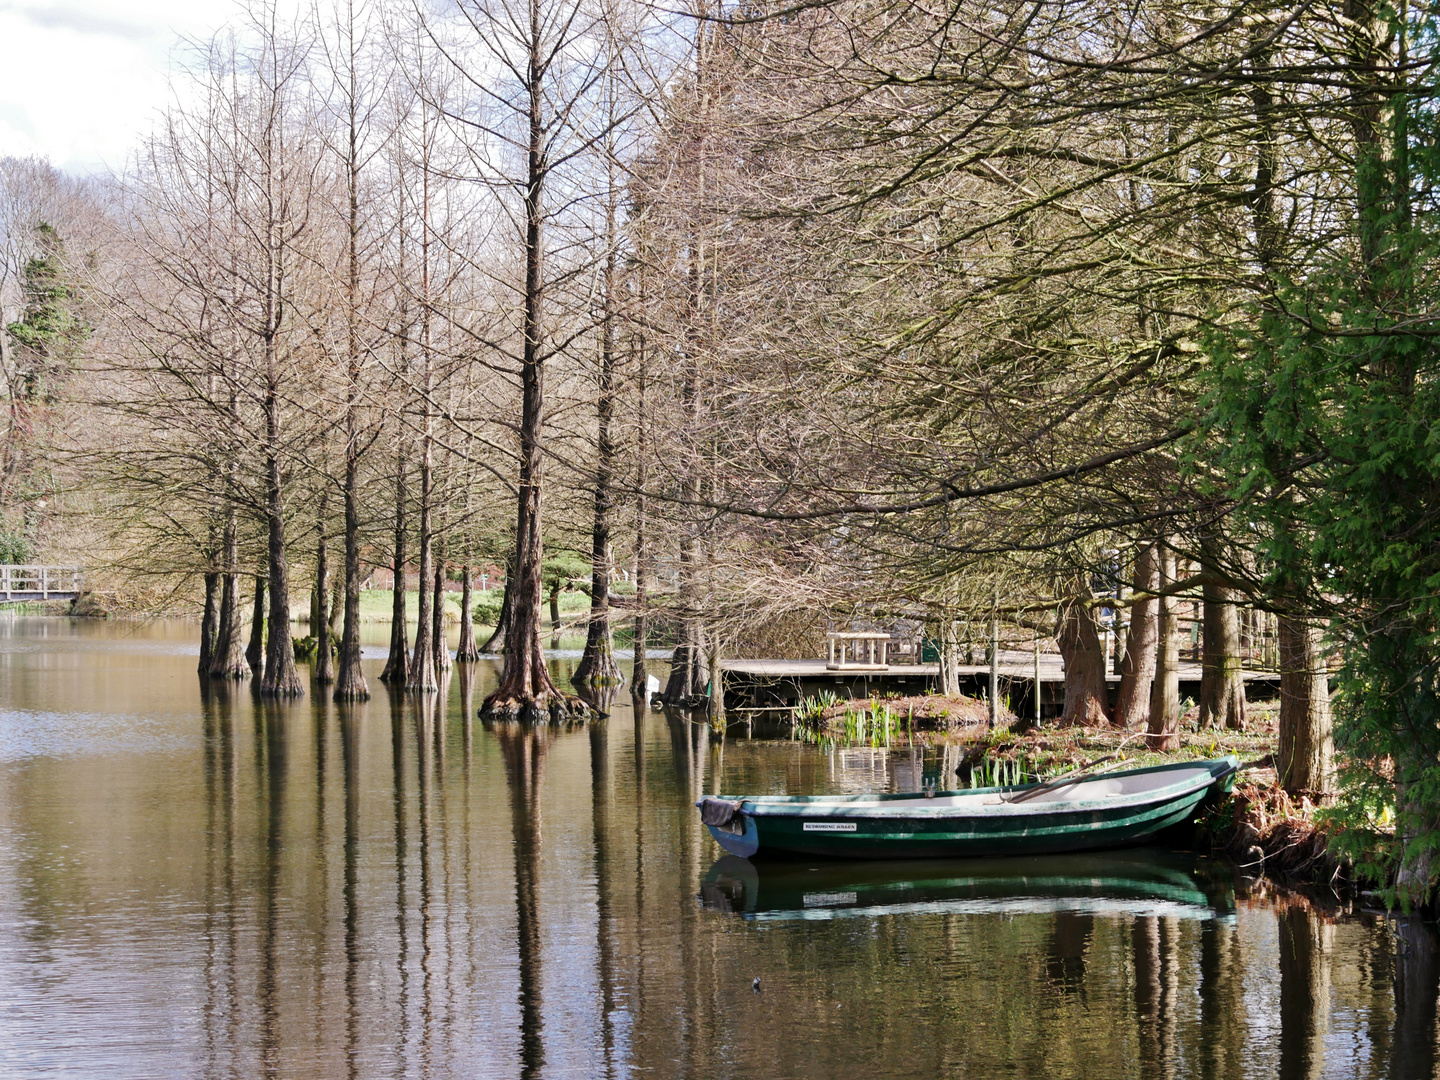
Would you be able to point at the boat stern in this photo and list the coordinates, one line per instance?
(733, 829)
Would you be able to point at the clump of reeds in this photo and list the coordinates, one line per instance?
(999, 771)
(866, 723)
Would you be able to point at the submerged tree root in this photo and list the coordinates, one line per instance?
(554, 708)
(1264, 830)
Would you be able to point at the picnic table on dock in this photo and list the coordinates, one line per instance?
(866, 651)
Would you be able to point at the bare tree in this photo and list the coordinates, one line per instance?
(526, 127)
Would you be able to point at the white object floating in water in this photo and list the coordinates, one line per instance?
(652, 687)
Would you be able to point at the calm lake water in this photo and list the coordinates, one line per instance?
(197, 884)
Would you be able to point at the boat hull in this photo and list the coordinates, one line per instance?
(915, 828)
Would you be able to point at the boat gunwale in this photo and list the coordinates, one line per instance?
(917, 805)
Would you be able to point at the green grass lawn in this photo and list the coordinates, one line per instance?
(377, 604)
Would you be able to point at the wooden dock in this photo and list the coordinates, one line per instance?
(29, 583)
(778, 683)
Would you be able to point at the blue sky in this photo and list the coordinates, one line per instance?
(82, 80)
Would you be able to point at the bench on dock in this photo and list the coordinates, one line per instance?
(866, 651)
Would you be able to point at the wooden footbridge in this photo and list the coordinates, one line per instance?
(761, 684)
(31, 583)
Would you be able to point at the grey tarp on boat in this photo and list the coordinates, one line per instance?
(722, 813)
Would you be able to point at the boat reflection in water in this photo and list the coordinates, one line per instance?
(1134, 883)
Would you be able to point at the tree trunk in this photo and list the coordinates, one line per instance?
(1222, 689)
(597, 664)
(1305, 750)
(948, 641)
(495, 643)
(228, 661)
(209, 624)
(437, 630)
(467, 653)
(397, 665)
(715, 689)
(281, 678)
(1417, 820)
(1132, 701)
(1164, 725)
(526, 691)
(337, 603)
(555, 617)
(422, 662)
(639, 672)
(689, 669)
(255, 651)
(350, 679)
(315, 607)
(324, 663)
(1083, 653)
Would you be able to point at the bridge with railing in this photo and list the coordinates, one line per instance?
(19, 583)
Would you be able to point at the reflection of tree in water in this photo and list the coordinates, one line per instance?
(222, 1014)
(689, 741)
(321, 713)
(402, 857)
(523, 748)
(1065, 956)
(423, 951)
(429, 767)
(600, 698)
(351, 717)
(1306, 939)
(605, 869)
(1417, 990)
(1222, 987)
(272, 716)
(1154, 944)
(466, 678)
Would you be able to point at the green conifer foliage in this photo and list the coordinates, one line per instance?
(1323, 417)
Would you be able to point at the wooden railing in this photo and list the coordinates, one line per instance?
(40, 582)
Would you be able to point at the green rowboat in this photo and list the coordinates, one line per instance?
(1079, 813)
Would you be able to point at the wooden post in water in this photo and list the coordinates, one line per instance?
(1037, 680)
(995, 669)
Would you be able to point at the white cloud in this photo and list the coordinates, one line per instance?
(82, 80)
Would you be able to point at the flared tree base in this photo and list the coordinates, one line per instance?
(598, 669)
(688, 685)
(282, 689)
(552, 708)
(1162, 740)
(351, 686)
